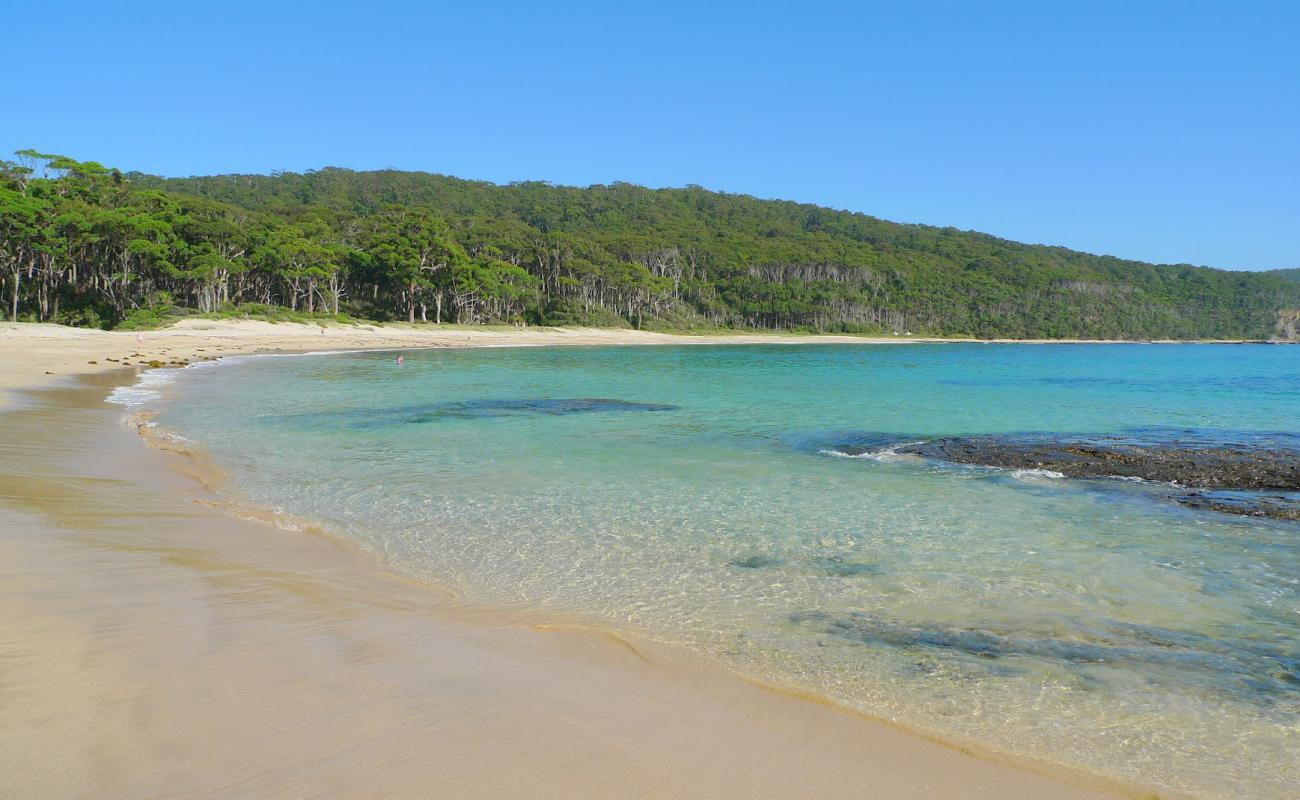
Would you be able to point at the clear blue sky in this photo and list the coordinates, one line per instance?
(1152, 130)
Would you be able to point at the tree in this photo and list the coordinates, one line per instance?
(83, 243)
(414, 248)
(21, 240)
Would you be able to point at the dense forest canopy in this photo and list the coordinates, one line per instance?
(84, 244)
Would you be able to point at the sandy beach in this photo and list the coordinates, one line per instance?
(33, 354)
(155, 645)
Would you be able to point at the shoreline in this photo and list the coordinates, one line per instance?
(34, 354)
(850, 752)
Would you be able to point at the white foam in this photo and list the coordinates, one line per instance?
(148, 388)
(883, 454)
(1027, 474)
(146, 391)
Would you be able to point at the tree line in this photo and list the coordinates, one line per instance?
(84, 244)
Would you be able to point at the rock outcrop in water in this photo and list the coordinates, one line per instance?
(1250, 475)
(1223, 467)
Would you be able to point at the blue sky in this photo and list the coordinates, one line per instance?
(1160, 131)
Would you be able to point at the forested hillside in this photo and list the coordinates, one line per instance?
(83, 244)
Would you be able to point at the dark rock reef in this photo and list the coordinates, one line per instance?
(1249, 505)
(1231, 472)
(1220, 467)
(475, 409)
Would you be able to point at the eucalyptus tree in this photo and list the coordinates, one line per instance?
(22, 223)
(219, 241)
(296, 256)
(415, 252)
(487, 287)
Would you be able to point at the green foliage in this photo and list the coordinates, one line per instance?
(565, 313)
(83, 316)
(89, 245)
(146, 319)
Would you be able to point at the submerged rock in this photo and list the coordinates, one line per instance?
(840, 567)
(478, 409)
(512, 407)
(1259, 669)
(1271, 506)
(756, 562)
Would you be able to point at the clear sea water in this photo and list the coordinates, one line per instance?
(1094, 624)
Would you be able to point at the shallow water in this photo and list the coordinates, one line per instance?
(688, 494)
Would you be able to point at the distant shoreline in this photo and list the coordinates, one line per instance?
(36, 353)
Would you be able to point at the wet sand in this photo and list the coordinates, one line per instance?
(152, 644)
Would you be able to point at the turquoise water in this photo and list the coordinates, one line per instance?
(1094, 624)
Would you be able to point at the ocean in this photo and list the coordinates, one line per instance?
(701, 496)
